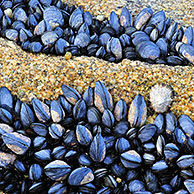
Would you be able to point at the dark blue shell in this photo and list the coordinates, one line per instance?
(81, 176)
(35, 172)
(108, 118)
(39, 142)
(41, 110)
(18, 143)
(76, 19)
(84, 136)
(58, 188)
(82, 40)
(125, 18)
(131, 159)
(138, 111)
(35, 47)
(122, 145)
(19, 166)
(159, 166)
(88, 96)
(58, 152)
(146, 132)
(88, 18)
(98, 148)
(53, 14)
(84, 160)
(163, 46)
(43, 155)
(114, 22)
(39, 129)
(185, 161)
(56, 131)
(71, 95)
(120, 110)
(60, 46)
(6, 99)
(187, 125)
(27, 116)
(142, 18)
(188, 36)
(102, 98)
(57, 113)
(136, 186)
(79, 110)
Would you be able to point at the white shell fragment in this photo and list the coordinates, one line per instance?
(161, 97)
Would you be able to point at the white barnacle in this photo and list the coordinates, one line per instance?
(161, 97)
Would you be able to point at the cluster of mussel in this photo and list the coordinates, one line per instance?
(88, 145)
(49, 26)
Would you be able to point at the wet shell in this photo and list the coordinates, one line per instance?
(81, 176)
(16, 142)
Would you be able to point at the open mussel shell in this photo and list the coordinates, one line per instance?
(57, 170)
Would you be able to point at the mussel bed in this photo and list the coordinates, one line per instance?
(88, 144)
